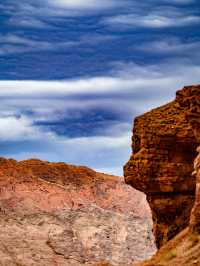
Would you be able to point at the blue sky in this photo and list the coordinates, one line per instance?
(74, 74)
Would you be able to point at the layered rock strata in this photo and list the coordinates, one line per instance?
(190, 98)
(59, 214)
(184, 249)
(164, 148)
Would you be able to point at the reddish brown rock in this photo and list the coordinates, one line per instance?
(190, 99)
(164, 148)
(195, 214)
(184, 249)
(59, 214)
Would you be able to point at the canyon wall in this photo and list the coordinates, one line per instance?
(164, 148)
(190, 99)
(184, 249)
(59, 214)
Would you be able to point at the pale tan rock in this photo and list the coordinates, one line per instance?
(59, 214)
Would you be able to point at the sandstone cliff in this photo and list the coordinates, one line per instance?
(59, 214)
(164, 148)
(190, 98)
(184, 249)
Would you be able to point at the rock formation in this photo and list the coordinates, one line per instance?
(190, 98)
(59, 214)
(184, 249)
(164, 148)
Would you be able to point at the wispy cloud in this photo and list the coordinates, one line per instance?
(152, 20)
(87, 118)
(12, 43)
(29, 22)
(83, 4)
(31, 14)
(33, 111)
(25, 12)
(14, 128)
(15, 44)
(171, 46)
(163, 15)
(181, 2)
(126, 78)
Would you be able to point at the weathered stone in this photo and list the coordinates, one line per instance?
(190, 98)
(59, 214)
(195, 214)
(164, 148)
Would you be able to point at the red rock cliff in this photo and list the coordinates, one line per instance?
(184, 249)
(164, 148)
(190, 99)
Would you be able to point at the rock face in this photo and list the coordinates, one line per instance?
(59, 214)
(184, 249)
(190, 98)
(195, 214)
(164, 148)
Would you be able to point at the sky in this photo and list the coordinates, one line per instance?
(75, 73)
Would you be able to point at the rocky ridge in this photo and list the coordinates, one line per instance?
(59, 214)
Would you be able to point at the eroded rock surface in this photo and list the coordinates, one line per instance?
(184, 249)
(59, 214)
(190, 98)
(164, 148)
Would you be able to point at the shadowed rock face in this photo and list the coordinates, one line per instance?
(184, 249)
(59, 214)
(195, 214)
(190, 98)
(164, 148)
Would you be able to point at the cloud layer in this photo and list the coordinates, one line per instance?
(68, 114)
(74, 74)
(82, 4)
(153, 21)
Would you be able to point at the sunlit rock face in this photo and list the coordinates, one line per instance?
(59, 214)
(164, 148)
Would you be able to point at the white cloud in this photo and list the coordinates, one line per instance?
(38, 14)
(181, 2)
(171, 46)
(131, 79)
(82, 4)
(153, 20)
(14, 128)
(15, 39)
(32, 13)
(12, 43)
(28, 22)
(133, 89)
(49, 88)
(130, 90)
(101, 142)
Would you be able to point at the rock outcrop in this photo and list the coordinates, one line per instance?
(190, 99)
(164, 148)
(184, 249)
(59, 214)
